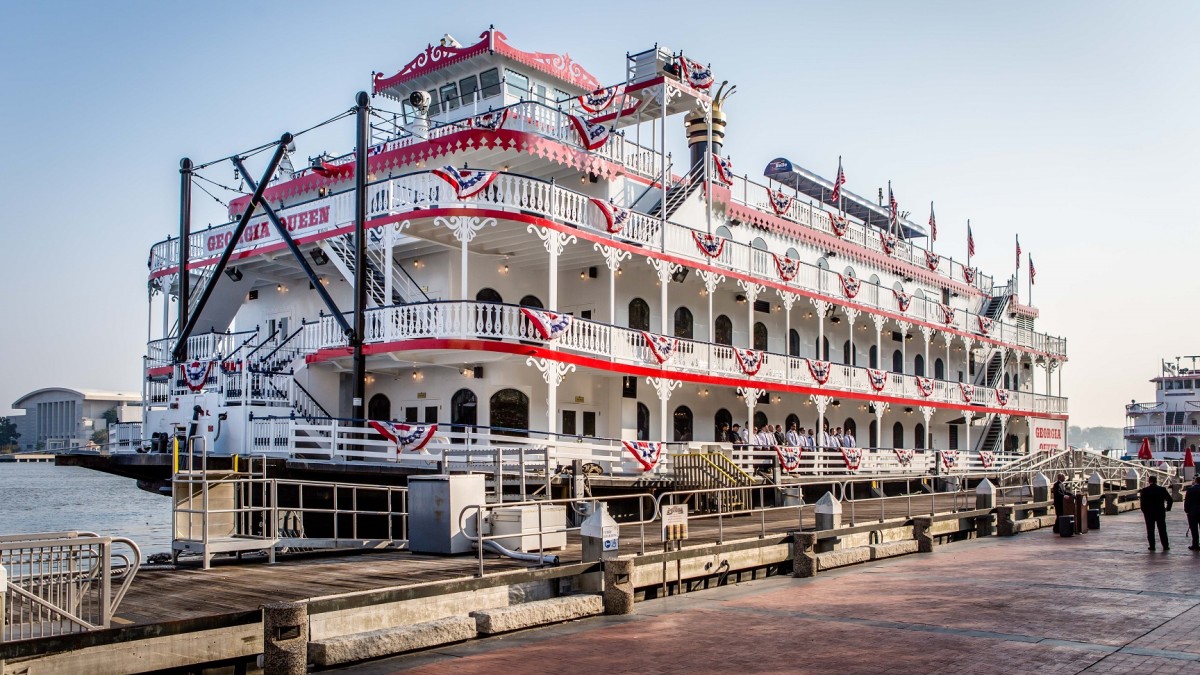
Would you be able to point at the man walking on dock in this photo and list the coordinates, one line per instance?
(1156, 501)
(1191, 506)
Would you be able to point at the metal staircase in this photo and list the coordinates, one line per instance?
(991, 440)
(677, 194)
(994, 306)
(708, 471)
(382, 291)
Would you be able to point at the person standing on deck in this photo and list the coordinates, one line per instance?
(1156, 501)
(1059, 493)
(1191, 506)
(793, 437)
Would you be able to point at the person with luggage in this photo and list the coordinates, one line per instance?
(1191, 506)
(1156, 501)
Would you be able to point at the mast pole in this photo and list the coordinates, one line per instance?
(361, 116)
(185, 237)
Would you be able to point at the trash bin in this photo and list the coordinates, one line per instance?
(1066, 526)
(1093, 519)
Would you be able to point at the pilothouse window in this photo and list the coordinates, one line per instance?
(449, 94)
(467, 88)
(489, 82)
(517, 84)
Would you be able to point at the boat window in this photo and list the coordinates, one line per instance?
(822, 354)
(822, 263)
(897, 362)
(793, 253)
(849, 271)
(488, 295)
(760, 335)
(873, 438)
(874, 356)
(540, 93)
(723, 231)
(760, 419)
(516, 84)
(683, 424)
(532, 301)
(639, 314)
(919, 366)
(953, 440)
(467, 88)
(919, 436)
(643, 422)
(683, 323)
(560, 95)
(793, 343)
(723, 330)
(449, 94)
(897, 435)
(464, 410)
(510, 410)
(850, 427)
(723, 418)
(435, 102)
(379, 408)
(759, 244)
(489, 82)
(939, 369)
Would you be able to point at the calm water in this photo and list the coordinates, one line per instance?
(48, 498)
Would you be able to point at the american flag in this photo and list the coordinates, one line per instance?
(970, 241)
(932, 223)
(1032, 271)
(1018, 252)
(838, 183)
(893, 208)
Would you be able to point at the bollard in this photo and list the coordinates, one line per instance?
(923, 533)
(1189, 473)
(600, 537)
(1095, 484)
(985, 495)
(829, 517)
(1110, 504)
(1132, 478)
(1005, 521)
(1041, 488)
(618, 586)
(285, 638)
(804, 554)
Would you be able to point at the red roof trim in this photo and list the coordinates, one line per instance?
(561, 66)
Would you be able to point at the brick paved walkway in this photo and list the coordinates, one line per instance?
(1035, 603)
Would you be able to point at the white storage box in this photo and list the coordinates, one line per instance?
(522, 523)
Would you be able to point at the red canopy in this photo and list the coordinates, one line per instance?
(1187, 457)
(1144, 451)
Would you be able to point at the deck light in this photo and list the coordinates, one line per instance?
(234, 273)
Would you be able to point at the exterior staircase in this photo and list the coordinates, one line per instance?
(677, 194)
(382, 291)
(712, 471)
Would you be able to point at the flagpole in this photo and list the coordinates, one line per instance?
(1017, 272)
(1031, 281)
(968, 242)
(841, 197)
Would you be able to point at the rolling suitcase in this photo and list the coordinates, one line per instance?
(1066, 526)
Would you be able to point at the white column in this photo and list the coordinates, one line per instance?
(663, 387)
(881, 407)
(752, 290)
(612, 260)
(927, 413)
(927, 333)
(664, 269)
(851, 315)
(879, 320)
(389, 243)
(711, 281)
(904, 326)
(554, 242)
(553, 373)
(464, 229)
(822, 306)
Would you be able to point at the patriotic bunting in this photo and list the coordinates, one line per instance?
(838, 224)
(789, 457)
(947, 313)
(466, 182)
(600, 100)
(786, 267)
(987, 458)
(550, 325)
(749, 360)
(949, 458)
(932, 260)
(877, 378)
(661, 346)
(490, 121)
(722, 169)
(888, 241)
(850, 286)
(924, 385)
(406, 437)
(591, 136)
(646, 453)
(902, 299)
(819, 370)
(1002, 397)
(709, 244)
(969, 275)
(985, 324)
(696, 75)
(195, 374)
(905, 457)
(780, 201)
(852, 457)
(615, 216)
(967, 391)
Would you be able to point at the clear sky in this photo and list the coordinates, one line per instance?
(1070, 123)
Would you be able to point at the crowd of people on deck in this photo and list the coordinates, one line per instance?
(768, 436)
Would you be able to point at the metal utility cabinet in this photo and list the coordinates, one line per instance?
(434, 505)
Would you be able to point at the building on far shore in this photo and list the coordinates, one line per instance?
(58, 418)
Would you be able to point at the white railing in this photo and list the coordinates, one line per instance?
(467, 319)
(1139, 431)
(514, 192)
(124, 437)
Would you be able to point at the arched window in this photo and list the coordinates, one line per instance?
(639, 314)
(643, 422)
(793, 253)
(874, 279)
(760, 335)
(1007, 381)
(822, 263)
(792, 419)
(488, 295)
(849, 271)
(683, 323)
(874, 435)
(897, 435)
(874, 356)
(793, 343)
(846, 355)
(759, 244)
(897, 362)
(723, 231)
(919, 436)
(723, 418)
(379, 408)
(1015, 382)
(464, 410)
(760, 419)
(532, 301)
(822, 354)
(919, 365)
(939, 369)
(510, 410)
(683, 424)
(851, 427)
(723, 330)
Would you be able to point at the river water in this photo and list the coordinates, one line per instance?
(41, 497)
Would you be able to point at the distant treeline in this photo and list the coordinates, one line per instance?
(1097, 437)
